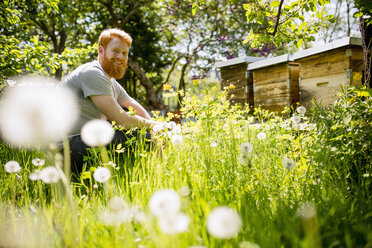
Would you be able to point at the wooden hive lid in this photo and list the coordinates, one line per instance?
(270, 61)
(347, 41)
(245, 59)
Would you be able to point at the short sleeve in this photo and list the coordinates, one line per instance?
(94, 82)
(120, 94)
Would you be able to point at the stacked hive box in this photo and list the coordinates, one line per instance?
(234, 72)
(325, 68)
(275, 83)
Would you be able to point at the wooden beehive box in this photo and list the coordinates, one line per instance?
(275, 83)
(234, 71)
(325, 68)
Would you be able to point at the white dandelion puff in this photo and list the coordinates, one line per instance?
(12, 167)
(296, 119)
(38, 161)
(170, 125)
(214, 144)
(185, 191)
(261, 136)
(117, 217)
(97, 132)
(177, 139)
(34, 176)
(138, 215)
(158, 127)
(174, 223)
(102, 174)
(164, 202)
(247, 244)
(49, 175)
(244, 159)
(224, 223)
(116, 203)
(177, 130)
(37, 114)
(301, 110)
(246, 148)
(307, 210)
(288, 163)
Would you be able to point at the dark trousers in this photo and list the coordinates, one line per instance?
(79, 149)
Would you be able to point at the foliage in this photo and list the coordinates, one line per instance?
(345, 130)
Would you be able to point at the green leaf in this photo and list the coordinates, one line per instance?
(275, 4)
(246, 6)
(195, 8)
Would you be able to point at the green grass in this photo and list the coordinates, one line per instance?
(268, 197)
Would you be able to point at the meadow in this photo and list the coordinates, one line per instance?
(224, 178)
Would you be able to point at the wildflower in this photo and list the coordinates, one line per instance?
(34, 176)
(102, 174)
(185, 191)
(288, 163)
(49, 175)
(37, 114)
(246, 148)
(261, 136)
(307, 210)
(224, 223)
(38, 161)
(166, 86)
(158, 127)
(164, 202)
(214, 144)
(171, 125)
(97, 133)
(176, 130)
(177, 139)
(12, 167)
(301, 110)
(296, 119)
(174, 223)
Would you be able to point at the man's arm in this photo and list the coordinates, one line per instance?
(112, 110)
(140, 111)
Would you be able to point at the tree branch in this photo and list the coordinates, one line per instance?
(277, 18)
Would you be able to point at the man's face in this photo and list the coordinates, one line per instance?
(114, 58)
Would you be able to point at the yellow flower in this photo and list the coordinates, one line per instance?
(166, 86)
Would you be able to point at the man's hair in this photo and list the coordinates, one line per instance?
(107, 35)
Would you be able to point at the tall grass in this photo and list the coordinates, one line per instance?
(316, 204)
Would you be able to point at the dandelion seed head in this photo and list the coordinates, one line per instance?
(246, 148)
(12, 167)
(170, 125)
(49, 175)
(185, 191)
(34, 176)
(116, 203)
(37, 114)
(214, 144)
(307, 210)
(102, 174)
(97, 133)
(288, 163)
(177, 139)
(261, 136)
(224, 223)
(174, 223)
(247, 244)
(164, 202)
(38, 161)
(296, 119)
(177, 130)
(301, 110)
(158, 127)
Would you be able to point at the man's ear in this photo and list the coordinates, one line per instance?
(100, 50)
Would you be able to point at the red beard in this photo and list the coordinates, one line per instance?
(113, 70)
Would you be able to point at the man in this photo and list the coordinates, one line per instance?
(101, 96)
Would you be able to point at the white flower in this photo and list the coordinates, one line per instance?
(288, 163)
(164, 202)
(177, 130)
(102, 174)
(49, 175)
(116, 203)
(246, 148)
(158, 127)
(214, 144)
(12, 167)
(34, 175)
(37, 114)
(301, 110)
(261, 136)
(307, 210)
(38, 161)
(224, 223)
(247, 244)
(138, 215)
(97, 132)
(185, 191)
(170, 125)
(177, 139)
(117, 217)
(296, 119)
(174, 223)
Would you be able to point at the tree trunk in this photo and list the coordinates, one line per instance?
(366, 31)
(152, 97)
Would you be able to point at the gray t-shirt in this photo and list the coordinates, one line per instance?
(87, 80)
